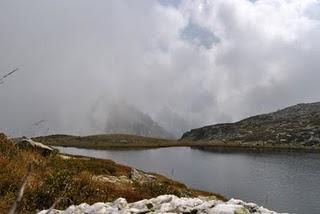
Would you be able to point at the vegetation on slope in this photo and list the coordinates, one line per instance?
(297, 126)
(113, 141)
(74, 180)
(105, 141)
(136, 142)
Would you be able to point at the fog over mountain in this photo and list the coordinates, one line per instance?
(116, 117)
(178, 64)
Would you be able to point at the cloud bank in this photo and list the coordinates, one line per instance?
(184, 63)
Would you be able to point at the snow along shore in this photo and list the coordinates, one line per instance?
(166, 204)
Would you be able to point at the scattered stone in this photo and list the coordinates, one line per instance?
(124, 141)
(112, 179)
(141, 177)
(167, 204)
(65, 157)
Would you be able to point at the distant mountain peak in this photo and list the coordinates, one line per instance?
(121, 118)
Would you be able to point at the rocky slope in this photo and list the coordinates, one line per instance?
(167, 204)
(295, 125)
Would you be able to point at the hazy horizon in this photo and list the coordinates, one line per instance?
(178, 64)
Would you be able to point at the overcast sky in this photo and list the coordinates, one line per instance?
(184, 63)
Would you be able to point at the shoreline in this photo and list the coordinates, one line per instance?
(78, 178)
(131, 142)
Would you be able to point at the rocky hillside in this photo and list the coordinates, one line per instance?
(298, 125)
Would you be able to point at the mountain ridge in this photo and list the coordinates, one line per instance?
(297, 124)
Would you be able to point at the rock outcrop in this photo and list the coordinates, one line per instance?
(141, 177)
(167, 204)
(27, 143)
(299, 125)
(134, 176)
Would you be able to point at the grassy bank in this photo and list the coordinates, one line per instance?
(106, 141)
(120, 141)
(74, 180)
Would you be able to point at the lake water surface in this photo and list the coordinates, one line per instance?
(284, 182)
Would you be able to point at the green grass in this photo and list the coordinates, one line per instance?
(121, 141)
(106, 141)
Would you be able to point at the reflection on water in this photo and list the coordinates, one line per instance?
(286, 182)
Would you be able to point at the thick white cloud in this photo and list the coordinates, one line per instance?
(73, 54)
(266, 55)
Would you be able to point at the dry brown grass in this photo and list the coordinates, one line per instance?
(71, 180)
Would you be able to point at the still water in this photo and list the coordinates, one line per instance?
(284, 182)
